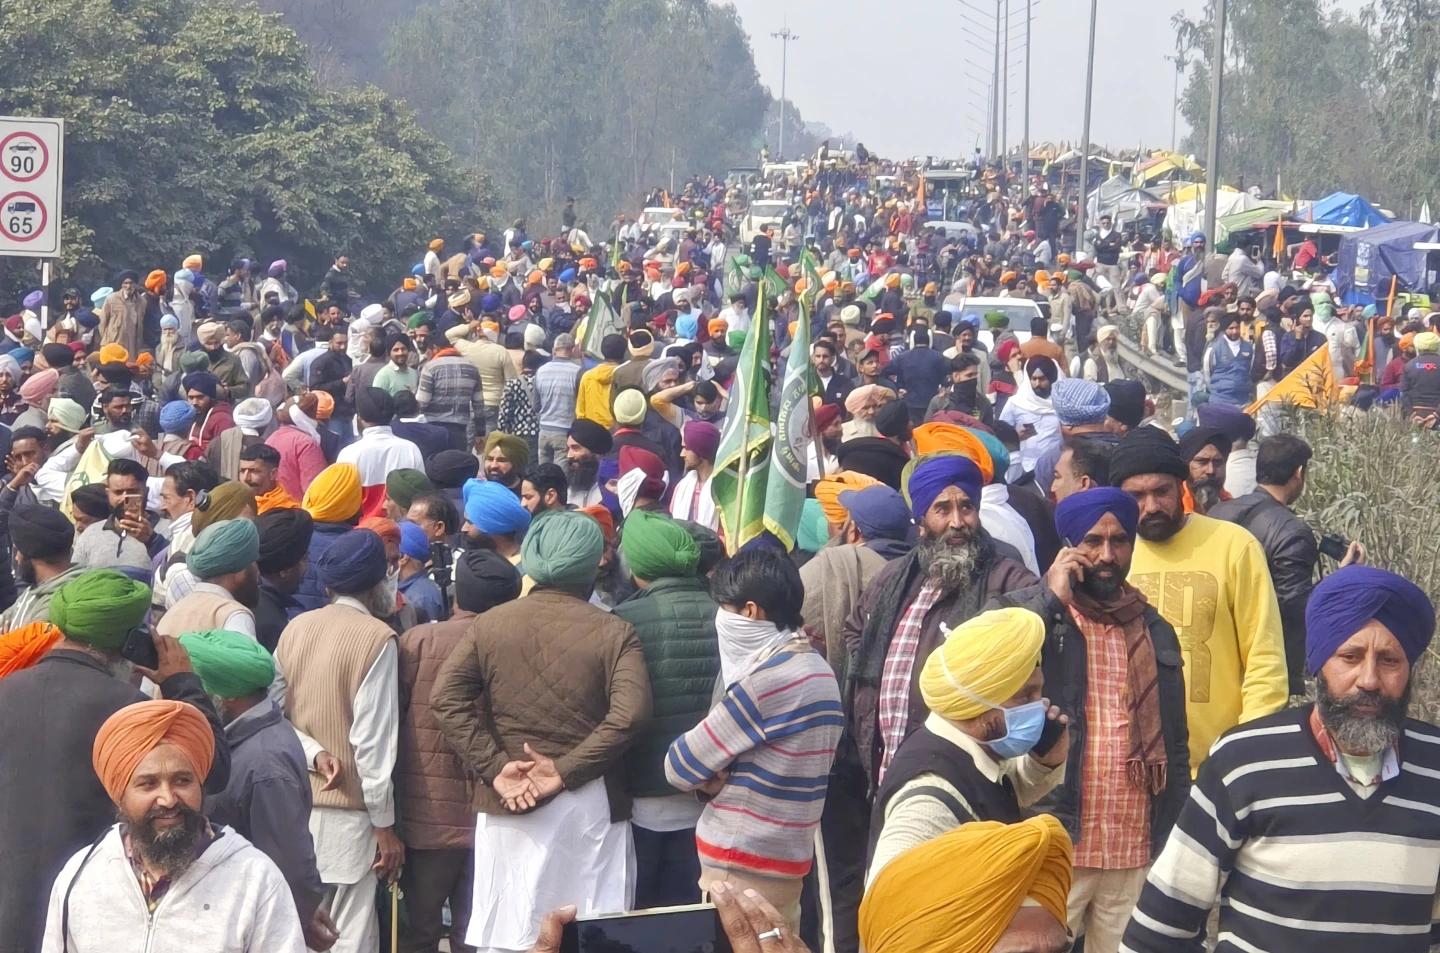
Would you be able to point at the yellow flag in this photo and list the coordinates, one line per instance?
(1311, 385)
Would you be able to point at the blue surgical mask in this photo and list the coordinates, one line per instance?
(1023, 727)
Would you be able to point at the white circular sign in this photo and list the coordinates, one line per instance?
(22, 216)
(24, 157)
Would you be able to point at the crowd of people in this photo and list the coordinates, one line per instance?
(327, 621)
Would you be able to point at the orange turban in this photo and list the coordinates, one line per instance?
(498, 271)
(1407, 342)
(959, 891)
(136, 730)
(937, 437)
(717, 327)
(22, 647)
(1007, 276)
(155, 282)
(276, 498)
(535, 277)
(114, 354)
(334, 496)
(387, 529)
(324, 404)
(829, 488)
(604, 517)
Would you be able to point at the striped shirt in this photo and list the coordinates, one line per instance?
(775, 732)
(449, 390)
(1297, 858)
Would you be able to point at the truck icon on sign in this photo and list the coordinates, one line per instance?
(19, 208)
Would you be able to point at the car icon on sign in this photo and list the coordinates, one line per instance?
(25, 147)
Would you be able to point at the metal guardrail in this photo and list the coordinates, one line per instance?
(1158, 369)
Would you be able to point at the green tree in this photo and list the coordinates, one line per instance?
(194, 126)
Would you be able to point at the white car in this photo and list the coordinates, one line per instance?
(655, 216)
(767, 212)
(1020, 311)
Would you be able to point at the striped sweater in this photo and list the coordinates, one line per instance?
(1298, 859)
(775, 732)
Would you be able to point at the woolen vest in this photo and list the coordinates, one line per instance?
(199, 612)
(325, 655)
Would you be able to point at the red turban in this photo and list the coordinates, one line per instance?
(136, 730)
(387, 529)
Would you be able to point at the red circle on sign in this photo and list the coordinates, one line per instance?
(44, 156)
(5, 215)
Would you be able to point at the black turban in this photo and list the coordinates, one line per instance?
(58, 356)
(1146, 450)
(1045, 366)
(203, 381)
(483, 580)
(451, 468)
(374, 406)
(1198, 438)
(40, 532)
(284, 538)
(1127, 402)
(893, 420)
(591, 436)
(116, 374)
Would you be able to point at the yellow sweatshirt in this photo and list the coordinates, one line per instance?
(1210, 581)
(593, 400)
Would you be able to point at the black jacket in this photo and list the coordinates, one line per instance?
(51, 802)
(1065, 664)
(1291, 553)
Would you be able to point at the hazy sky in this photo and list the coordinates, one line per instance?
(895, 72)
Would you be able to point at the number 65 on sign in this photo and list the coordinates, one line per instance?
(31, 182)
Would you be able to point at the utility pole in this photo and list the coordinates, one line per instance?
(785, 37)
(1180, 64)
(1212, 150)
(1005, 99)
(995, 90)
(1025, 136)
(1085, 139)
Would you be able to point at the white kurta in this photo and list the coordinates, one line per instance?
(565, 852)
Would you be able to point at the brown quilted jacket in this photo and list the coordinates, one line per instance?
(432, 791)
(554, 671)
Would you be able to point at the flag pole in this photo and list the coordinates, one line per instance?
(740, 493)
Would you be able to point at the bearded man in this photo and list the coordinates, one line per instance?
(586, 443)
(203, 886)
(1313, 827)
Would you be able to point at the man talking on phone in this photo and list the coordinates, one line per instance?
(52, 711)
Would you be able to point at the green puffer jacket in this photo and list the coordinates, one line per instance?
(675, 621)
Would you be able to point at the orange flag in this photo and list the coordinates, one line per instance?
(1311, 385)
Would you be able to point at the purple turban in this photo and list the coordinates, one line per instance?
(702, 438)
(1348, 598)
(1078, 513)
(934, 473)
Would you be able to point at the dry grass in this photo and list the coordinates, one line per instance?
(1376, 479)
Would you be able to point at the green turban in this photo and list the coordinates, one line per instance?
(99, 608)
(67, 413)
(403, 485)
(418, 318)
(656, 547)
(814, 527)
(994, 319)
(230, 664)
(194, 361)
(224, 547)
(735, 339)
(515, 449)
(563, 548)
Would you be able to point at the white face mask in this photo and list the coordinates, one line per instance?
(744, 643)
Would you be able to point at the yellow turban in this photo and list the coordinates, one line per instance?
(959, 892)
(937, 437)
(828, 491)
(1427, 342)
(982, 663)
(334, 496)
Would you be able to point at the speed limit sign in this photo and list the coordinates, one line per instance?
(31, 178)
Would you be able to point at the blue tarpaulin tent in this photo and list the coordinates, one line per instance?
(1369, 259)
(1342, 208)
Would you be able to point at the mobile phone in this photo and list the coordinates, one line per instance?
(134, 507)
(1049, 735)
(691, 928)
(1334, 545)
(139, 648)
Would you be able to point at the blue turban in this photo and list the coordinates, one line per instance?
(489, 301)
(567, 276)
(934, 473)
(98, 296)
(224, 547)
(878, 512)
(1079, 402)
(1078, 513)
(999, 456)
(353, 563)
(491, 508)
(688, 325)
(23, 355)
(1230, 420)
(1348, 598)
(33, 300)
(176, 416)
(413, 542)
(1195, 237)
(417, 269)
(203, 381)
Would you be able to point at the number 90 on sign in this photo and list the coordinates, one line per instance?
(23, 157)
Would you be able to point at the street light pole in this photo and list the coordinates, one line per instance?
(1005, 98)
(995, 90)
(785, 37)
(1180, 64)
(1025, 143)
(1085, 138)
(1212, 150)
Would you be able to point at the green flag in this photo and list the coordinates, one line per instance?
(742, 463)
(785, 489)
(602, 319)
